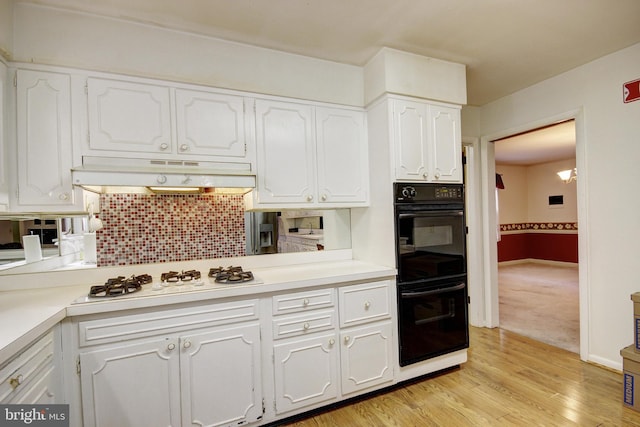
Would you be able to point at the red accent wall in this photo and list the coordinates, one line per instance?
(546, 246)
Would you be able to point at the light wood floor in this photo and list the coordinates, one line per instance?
(509, 380)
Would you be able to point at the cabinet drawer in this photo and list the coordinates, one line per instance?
(93, 332)
(364, 303)
(16, 375)
(307, 323)
(303, 301)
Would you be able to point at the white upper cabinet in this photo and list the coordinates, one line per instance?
(446, 143)
(309, 156)
(342, 158)
(210, 124)
(163, 122)
(44, 145)
(285, 153)
(427, 141)
(128, 117)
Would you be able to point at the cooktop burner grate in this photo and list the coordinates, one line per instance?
(185, 276)
(120, 286)
(230, 275)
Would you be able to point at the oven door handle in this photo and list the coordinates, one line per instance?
(409, 294)
(430, 214)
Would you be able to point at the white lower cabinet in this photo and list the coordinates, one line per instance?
(306, 372)
(320, 358)
(365, 357)
(189, 367)
(30, 377)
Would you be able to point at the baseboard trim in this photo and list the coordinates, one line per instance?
(539, 261)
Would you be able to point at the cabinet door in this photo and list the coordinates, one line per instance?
(342, 158)
(220, 376)
(131, 385)
(446, 143)
(305, 372)
(210, 124)
(285, 153)
(410, 123)
(128, 117)
(44, 140)
(365, 357)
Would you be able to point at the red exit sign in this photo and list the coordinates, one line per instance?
(631, 91)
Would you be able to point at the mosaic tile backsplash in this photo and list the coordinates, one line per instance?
(140, 229)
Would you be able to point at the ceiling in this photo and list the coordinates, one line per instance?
(506, 45)
(552, 143)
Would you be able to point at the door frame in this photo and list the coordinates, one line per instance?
(489, 221)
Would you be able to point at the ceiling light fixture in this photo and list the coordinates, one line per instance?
(568, 175)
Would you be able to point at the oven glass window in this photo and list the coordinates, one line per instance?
(430, 245)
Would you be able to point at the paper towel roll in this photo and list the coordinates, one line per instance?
(90, 253)
(32, 249)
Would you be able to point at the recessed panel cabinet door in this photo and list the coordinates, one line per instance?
(341, 156)
(220, 375)
(365, 357)
(44, 139)
(410, 133)
(285, 149)
(305, 372)
(446, 143)
(210, 124)
(132, 385)
(129, 117)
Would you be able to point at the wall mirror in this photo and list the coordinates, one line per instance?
(62, 244)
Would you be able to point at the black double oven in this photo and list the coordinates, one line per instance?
(430, 235)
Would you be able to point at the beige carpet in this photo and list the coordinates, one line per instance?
(541, 302)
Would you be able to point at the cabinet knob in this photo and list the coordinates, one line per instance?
(310, 198)
(171, 347)
(347, 339)
(367, 304)
(305, 302)
(164, 146)
(63, 196)
(184, 147)
(305, 326)
(324, 197)
(16, 381)
(425, 175)
(161, 179)
(332, 341)
(187, 344)
(437, 175)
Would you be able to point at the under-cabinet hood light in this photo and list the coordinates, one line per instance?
(139, 175)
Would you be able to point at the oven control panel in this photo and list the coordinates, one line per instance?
(424, 192)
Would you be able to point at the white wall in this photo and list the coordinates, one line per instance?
(52, 36)
(608, 132)
(6, 27)
(543, 182)
(513, 202)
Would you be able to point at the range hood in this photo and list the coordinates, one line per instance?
(103, 174)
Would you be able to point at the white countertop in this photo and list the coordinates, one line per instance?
(26, 314)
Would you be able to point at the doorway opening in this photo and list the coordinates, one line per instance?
(537, 235)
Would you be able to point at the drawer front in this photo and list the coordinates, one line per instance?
(93, 332)
(306, 323)
(303, 301)
(364, 303)
(17, 375)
